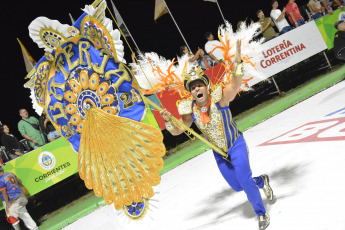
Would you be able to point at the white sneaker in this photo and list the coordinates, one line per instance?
(267, 188)
(264, 221)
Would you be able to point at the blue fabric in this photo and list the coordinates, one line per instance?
(285, 29)
(317, 15)
(126, 96)
(239, 176)
(53, 135)
(9, 183)
(299, 22)
(238, 173)
(230, 127)
(202, 63)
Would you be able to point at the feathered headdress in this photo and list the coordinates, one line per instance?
(155, 73)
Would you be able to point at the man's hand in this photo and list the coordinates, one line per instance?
(165, 114)
(18, 153)
(284, 10)
(34, 141)
(238, 51)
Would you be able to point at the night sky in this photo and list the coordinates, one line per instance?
(194, 17)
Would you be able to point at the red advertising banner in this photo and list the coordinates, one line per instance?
(169, 99)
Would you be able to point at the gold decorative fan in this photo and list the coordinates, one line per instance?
(119, 158)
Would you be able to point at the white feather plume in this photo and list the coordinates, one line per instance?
(249, 48)
(38, 109)
(43, 22)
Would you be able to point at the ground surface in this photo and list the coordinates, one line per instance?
(302, 149)
(72, 200)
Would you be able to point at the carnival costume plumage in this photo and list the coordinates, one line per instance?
(90, 96)
(154, 73)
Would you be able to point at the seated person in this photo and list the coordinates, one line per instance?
(48, 128)
(339, 40)
(210, 48)
(315, 9)
(12, 145)
(198, 59)
(279, 18)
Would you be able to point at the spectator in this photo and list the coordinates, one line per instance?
(210, 48)
(12, 145)
(266, 26)
(48, 128)
(339, 40)
(315, 9)
(293, 14)
(279, 18)
(14, 201)
(198, 59)
(327, 6)
(339, 4)
(239, 24)
(29, 128)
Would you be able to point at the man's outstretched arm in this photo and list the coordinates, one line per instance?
(171, 127)
(230, 91)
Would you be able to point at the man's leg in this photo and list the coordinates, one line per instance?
(228, 172)
(300, 22)
(240, 162)
(12, 220)
(26, 218)
(285, 29)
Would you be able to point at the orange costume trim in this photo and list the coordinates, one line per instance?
(204, 112)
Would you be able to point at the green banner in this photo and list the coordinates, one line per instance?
(45, 166)
(150, 119)
(51, 163)
(326, 26)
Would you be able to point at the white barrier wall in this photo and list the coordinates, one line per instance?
(288, 49)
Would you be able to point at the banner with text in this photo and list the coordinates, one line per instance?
(45, 166)
(326, 26)
(289, 49)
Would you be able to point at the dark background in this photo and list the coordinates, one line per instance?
(194, 17)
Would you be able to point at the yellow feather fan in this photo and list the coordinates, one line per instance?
(119, 158)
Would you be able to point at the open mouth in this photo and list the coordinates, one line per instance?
(199, 95)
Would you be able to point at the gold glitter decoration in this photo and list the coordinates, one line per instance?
(123, 167)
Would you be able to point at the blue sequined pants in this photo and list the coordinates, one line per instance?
(239, 176)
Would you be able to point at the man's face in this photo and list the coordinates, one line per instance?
(261, 15)
(210, 38)
(199, 92)
(24, 114)
(341, 26)
(275, 5)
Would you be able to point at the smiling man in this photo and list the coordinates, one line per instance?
(29, 128)
(211, 113)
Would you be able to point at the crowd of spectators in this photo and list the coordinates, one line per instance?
(290, 16)
(279, 22)
(36, 133)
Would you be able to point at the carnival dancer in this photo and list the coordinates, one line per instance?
(211, 113)
(14, 201)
